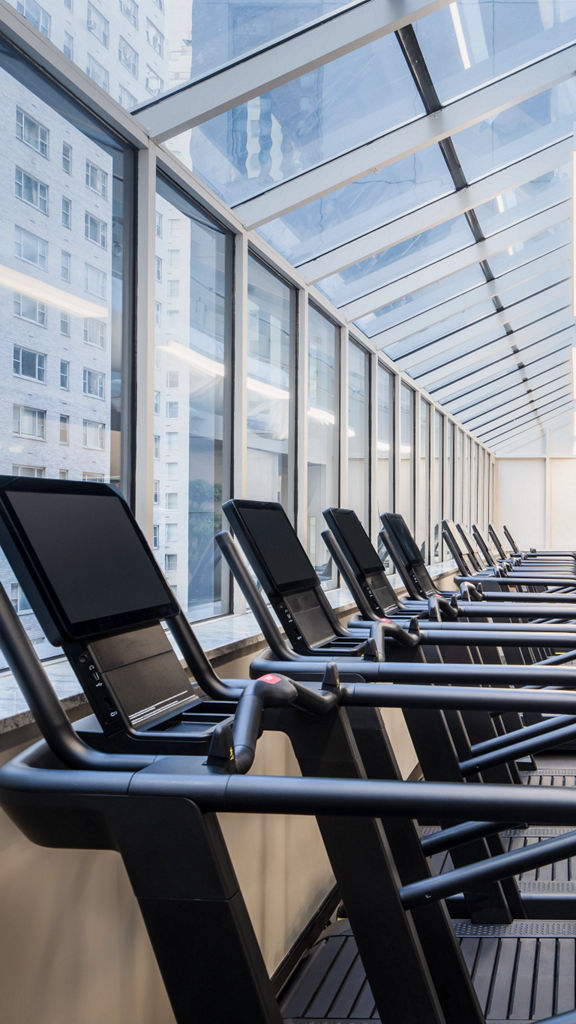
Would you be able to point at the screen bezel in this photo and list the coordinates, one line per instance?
(234, 511)
(35, 582)
(334, 517)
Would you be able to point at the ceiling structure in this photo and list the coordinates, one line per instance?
(414, 161)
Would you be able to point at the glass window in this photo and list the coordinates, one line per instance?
(128, 57)
(30, 309)
(68, 46)
(323, 435)
(423, 507)
(466, 470)
(65, 322)
(407, 462)
(154, 37)
(27, 363)
(94, 332)
(98, 25)
(385, 453)
(155, 536)
(448, 509)
(30, 247)
(130, 11)
(269, 383)
(96, 230)
(67, 157)
(31, 132)
(64, 435)
(30, 190)
(36, 14)
(359, 432)
(93, 434)
(98, 73)
(191, 374)
(65, 374)
(154, 84)
(93, 383)
(65, 265)
(170, 562)
(458, 482)
(436, 489)
(126, 98)
(95, 281)
(29, 422)
(156, 446)
(96, 178)
(37, 472)
(66, 212)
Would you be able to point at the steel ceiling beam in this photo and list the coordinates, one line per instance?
(399, 143)
(277, 63)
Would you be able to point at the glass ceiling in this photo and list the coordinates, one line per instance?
(415, 170)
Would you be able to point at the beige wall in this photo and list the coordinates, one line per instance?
(536, 498)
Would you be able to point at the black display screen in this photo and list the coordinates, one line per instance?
(403, 537)
(271, 534)
(86, 556)
(355, 539)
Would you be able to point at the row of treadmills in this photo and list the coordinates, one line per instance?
(459, 890)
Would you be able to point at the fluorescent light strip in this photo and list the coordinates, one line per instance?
(459, 32)
(42, 292)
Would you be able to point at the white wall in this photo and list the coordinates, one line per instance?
(536, 498)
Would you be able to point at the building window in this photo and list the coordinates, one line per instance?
(65, 265)
(98, 25)
(36, 15)
(156, 401)
(159, 4)
(29, 422)
(154, 84)
(171, 533)
(173, 257)
(68, 4)
(95, 281)
(67, 157)
(128, 57)
(154, 37)
(172, 409)
(65, 324)
(172, 379)
(31, 248)
(158, 267)
(173, 289)
(66, 212)
(30, 309)
(126, 98)
(172, 470)
(31, 132)
(18, 598)
(64, 436)
(94, 332)
(93, 383)
(130, 11)
(63, 474)
(170, 563)
(95, 230)
(93, 478)
(27, 363)
(30, 190)
(158, 313)
(98, 73)
(93, 434)
(155, 536)
(156, 446)
(159, 224)
(36, 472)
(68, 46)
(171, 440)
(156, 492)
(171, 500)
(96, 179)
(65, 374)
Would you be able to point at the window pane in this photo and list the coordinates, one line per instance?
(51, 422)
(406, 481)
(436, 482)
(358, 432)
(189, 409)
(423, 509)
(385, 453)
(323, 434)
(268, 386)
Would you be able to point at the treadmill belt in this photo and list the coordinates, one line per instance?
(522, 972)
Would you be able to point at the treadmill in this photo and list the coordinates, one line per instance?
(159, 813)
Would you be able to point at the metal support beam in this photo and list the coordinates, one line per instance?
(409, 138)
(292, 56)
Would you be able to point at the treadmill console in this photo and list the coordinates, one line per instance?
(363, 559)
(97, 591)
(405, 548)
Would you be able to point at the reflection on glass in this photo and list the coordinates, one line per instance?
(358, 431)
(397, 261)
(448, 504)
(526, 200)
(424, 299)
(270, 344)
(423, 509)
(482, 519)
(192, 336)
(474, 516)
(467, 44)
(309, 120)
(323, 433)
(385, 453)
(458, 479)
(517, 131)
(522, 252)
(407, 463)
(425, 344)
(360, 207)
(436, 489)
(62, 294)
(465, 481)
